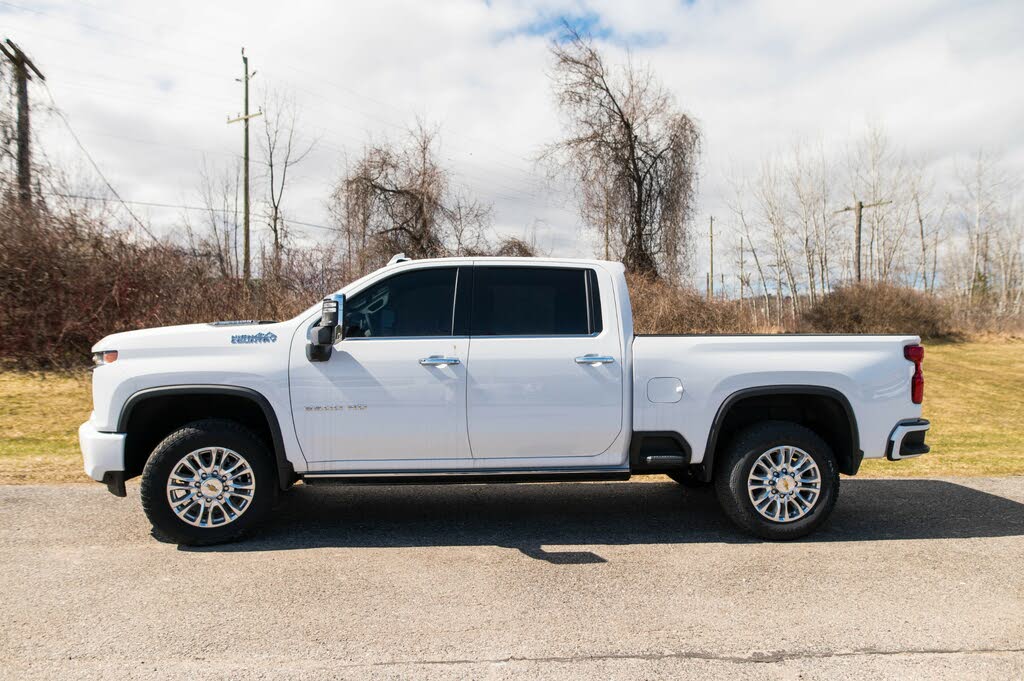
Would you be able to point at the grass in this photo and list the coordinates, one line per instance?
(39, 418)
(972, 397)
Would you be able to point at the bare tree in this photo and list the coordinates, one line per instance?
(879, 177)
(398, 199)
(985, 190)
(632, 152)
(741, 191)
(810, 183)
(930, 217)
(217, 236)
(281, 152)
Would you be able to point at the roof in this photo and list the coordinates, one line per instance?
(502, 259)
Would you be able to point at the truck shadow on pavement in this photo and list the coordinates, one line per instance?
(527, 517)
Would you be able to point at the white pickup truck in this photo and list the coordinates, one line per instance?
(490, 370)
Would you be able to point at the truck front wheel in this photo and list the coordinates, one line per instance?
(778, 480)
(207, 483)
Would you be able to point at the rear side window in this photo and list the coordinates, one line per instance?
(534, 301)
(416, 303)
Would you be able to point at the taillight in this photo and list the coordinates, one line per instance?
(915, 353)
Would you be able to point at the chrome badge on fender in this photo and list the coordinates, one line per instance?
(254, 338)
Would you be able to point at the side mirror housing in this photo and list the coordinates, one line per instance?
(329, 331)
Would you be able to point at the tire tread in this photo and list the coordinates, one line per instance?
(731, 478)
(152, 491)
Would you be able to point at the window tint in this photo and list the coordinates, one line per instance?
(531, 301)
(417, 303)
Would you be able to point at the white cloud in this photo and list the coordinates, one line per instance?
(148, 85)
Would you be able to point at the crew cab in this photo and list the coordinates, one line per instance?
(490, 370)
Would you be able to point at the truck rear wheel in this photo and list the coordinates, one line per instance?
(778, 480)
(207, 483)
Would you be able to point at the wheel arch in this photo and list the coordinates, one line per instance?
(156, 407)
(824, 410)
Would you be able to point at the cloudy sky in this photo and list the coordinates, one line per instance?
(148, 86)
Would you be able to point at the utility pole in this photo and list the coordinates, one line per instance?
(711, 276)
(858, 211)
(22, 66)
(245, 152)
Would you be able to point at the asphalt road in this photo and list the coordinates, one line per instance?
(911, 578)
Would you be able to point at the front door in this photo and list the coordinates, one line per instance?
(393, 394)
(546, 371)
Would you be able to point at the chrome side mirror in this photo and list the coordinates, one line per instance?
(329, 331)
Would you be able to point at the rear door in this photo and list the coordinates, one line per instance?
(546, 366)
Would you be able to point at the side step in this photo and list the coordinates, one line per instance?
(463, 477)
(665, 460)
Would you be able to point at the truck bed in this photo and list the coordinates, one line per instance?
(870, 372)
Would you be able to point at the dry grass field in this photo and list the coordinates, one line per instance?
(39, 418)
(972, 396)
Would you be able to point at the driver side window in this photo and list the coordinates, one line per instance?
(416, 303)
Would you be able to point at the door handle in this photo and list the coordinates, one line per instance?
(594, 360)
(439, 361)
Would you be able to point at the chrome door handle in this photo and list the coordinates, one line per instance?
(439, 361)
(594, 360)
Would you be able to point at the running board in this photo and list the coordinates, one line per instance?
(666, 460)
(464, 477)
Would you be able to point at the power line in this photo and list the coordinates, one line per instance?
(156, 204)
(533, 177)
(99, 171)
(326, 141)
(532, 189)
(528, 177)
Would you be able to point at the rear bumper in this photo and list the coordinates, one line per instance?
(103, 456)
(907, 440)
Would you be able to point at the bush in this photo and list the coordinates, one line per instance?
(66, 282)
(879, 308)
(659, 307)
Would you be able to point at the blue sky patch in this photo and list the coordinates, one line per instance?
(588, 24)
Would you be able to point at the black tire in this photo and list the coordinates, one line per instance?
(195, 436)
(738, 461)
(687, 479)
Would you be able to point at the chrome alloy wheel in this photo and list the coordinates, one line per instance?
(211, 487)
(784, 484)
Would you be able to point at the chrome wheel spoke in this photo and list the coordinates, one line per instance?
(202, 498)
(784, 484)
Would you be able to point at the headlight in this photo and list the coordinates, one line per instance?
(105, 357)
